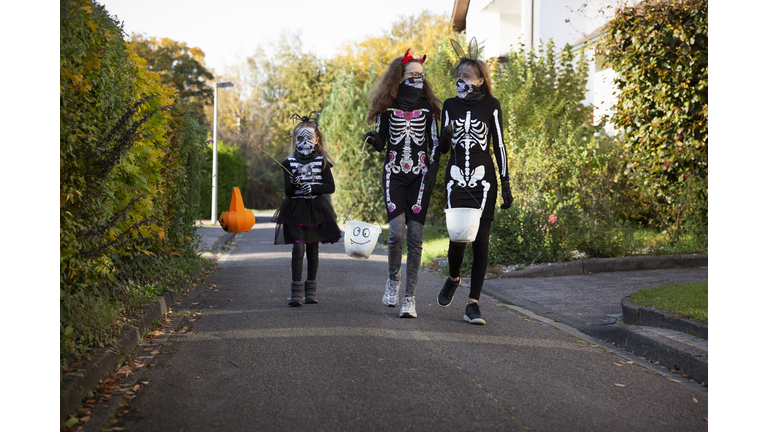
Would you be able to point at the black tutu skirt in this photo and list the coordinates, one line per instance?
(306, 221)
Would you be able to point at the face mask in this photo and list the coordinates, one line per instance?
(414, 82)
(305, 142)
(468, 92)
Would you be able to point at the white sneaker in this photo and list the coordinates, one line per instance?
(409, 308)
(390, 294)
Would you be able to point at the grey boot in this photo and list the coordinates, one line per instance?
(297, 293)
(310, 288)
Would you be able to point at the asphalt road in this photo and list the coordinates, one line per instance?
(349, 363)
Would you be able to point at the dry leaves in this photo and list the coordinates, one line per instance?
(620, 385)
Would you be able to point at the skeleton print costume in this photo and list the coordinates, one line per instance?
(306, 215)
(410, 132)
(470, 178)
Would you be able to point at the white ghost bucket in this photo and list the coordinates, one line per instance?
(462, 224)
(360, 239)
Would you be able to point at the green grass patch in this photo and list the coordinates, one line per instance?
(688, 300)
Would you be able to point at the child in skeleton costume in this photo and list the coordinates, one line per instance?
(306, 217)
(407, 114)
(471, 121)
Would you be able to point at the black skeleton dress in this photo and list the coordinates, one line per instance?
(307, 218)
(470, 178)
(410, 167)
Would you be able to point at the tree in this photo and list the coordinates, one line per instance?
(181, 67)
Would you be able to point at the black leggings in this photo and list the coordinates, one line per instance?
(479, 258)
(297, 260)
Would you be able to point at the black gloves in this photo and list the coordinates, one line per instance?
(506, 195)
(372, 138)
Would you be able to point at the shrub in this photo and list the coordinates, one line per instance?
(659, 51)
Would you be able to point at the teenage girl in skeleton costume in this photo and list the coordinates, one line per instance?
(407, 114)
(306, 217)
(472, 123)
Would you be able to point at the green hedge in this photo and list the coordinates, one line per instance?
(129, 181)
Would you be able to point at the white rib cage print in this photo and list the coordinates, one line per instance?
(406, 127)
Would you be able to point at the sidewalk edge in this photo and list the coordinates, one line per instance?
(602, 265)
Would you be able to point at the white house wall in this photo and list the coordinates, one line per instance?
(499, 24)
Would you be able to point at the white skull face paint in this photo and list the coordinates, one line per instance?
(360, 236)
(414, 82)
(305, 141)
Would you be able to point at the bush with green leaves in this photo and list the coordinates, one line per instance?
(659, 51)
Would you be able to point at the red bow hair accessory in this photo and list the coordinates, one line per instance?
(408, 57)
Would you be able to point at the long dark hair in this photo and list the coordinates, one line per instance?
(385, 91)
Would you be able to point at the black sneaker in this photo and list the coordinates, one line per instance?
(445, 296)
(472, 314)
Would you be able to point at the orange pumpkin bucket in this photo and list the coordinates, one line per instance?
(237, 219)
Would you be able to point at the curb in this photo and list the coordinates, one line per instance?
(88, 374)
(601, 265)
(644, 343)
(650, 316)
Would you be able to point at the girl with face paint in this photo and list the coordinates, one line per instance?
(471, 121)
(406, 113)
(306, 217)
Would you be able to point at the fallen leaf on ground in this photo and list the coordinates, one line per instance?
(620, 385)
(136, 387)
(673, 380)
(694, 399)
(619, 364)
(197, 377)
(556, 320)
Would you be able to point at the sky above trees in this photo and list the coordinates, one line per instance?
(228, 31)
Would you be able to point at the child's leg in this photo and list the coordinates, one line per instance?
(395, 252)
(297, 264)
(415, 239)
(313, 259)
(480, 251)
(297, 261)
(310, 286)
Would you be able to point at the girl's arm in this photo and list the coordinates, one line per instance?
(447, 132)
(499, 148)
(328, 186)
(290, 188)
(382, 131)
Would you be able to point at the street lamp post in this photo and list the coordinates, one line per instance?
(215, 148)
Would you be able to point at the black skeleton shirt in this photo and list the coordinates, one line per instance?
(470, 178)
(411, 164)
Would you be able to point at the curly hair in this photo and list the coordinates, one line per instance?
(385, 91)
(480, 68)
(319, 145)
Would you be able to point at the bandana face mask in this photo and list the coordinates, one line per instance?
(467, 91)
(414, 82)
(305, 141)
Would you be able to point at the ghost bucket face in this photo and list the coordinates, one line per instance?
(360, 239)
